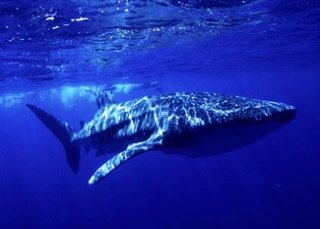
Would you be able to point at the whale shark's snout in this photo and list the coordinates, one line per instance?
(284, 111)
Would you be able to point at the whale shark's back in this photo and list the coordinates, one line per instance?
(191, 110)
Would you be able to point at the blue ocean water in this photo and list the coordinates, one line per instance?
(53, 52)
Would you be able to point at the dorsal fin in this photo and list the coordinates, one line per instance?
(103, 98)
(82, 123)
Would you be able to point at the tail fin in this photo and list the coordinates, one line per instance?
(63, 132)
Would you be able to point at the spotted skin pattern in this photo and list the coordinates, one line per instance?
(151, 121)
(176, 113)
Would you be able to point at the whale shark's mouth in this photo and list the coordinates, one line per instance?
(285, 115)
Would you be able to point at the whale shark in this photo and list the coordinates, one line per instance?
(181, 122)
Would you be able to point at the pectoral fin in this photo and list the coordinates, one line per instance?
(103, 97)
(131, 151)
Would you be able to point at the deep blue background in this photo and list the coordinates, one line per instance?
(263, 49)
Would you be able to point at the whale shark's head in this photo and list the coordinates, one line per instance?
(281, 111)
(261, 119)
